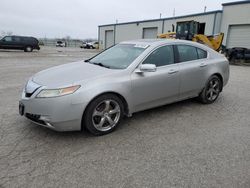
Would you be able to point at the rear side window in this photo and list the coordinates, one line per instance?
(187, 53)
(161, 56)
(17, 39)
(201, 53)
(25, 39)
(28, 39)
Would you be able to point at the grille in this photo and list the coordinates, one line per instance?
(35, 118)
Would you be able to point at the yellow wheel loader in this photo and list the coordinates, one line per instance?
(192, 30)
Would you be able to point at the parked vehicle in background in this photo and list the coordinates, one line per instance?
(238, 53)
(194, 31)
(94, 45)
(129, 77)
(83, 45)
(60, 43)
(90, 45)
(28, 44)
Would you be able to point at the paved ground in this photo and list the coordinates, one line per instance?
(180, 145)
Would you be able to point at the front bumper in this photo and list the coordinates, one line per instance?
(58, 113)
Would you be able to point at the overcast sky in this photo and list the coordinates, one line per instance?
(80, 18)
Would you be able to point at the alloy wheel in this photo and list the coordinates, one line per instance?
(213, 89)
(106, 115)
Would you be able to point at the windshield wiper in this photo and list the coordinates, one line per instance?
(102, 65)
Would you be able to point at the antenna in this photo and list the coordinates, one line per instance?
(205, 8)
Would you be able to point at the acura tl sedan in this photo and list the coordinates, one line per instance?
(129, 77)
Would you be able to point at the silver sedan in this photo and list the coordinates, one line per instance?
(129, 77)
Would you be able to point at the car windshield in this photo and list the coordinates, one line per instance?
(119, 56)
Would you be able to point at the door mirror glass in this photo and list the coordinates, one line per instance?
(147, 68)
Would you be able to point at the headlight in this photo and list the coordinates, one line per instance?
(46, 93)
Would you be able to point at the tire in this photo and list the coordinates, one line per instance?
(103, 114)
(211, 91)
(28, 49)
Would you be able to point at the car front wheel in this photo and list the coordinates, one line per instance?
(211, 91)
(103, 114)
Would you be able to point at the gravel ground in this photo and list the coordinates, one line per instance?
(185, 144)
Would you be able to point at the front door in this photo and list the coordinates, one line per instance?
(6, 42)
(150, 89)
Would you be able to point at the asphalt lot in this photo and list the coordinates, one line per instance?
(186, 144)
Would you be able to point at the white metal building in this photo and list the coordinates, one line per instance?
(236, 24)
(233, 21)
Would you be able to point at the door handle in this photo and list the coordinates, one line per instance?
(203, 65)
(172, 71)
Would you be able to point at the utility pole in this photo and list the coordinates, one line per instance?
(174, 21)
(205, 8)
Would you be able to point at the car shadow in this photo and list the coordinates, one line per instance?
(126, 125)
(17, 51)
(164, 109)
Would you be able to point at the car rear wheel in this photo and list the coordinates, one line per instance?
(211, 91)
(103, 114)
(28, 49)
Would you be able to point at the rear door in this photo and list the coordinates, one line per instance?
(193, 66)
(17, 42)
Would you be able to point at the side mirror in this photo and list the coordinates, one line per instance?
(146, 68)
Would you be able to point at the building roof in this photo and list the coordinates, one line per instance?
(169, 18)
(236, 3)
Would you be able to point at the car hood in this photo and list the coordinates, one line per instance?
(68, 74)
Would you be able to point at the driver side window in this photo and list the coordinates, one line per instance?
(8, 39)
(161, 56)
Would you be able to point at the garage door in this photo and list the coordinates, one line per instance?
(150, 33)
(239, 36)
(109, 38)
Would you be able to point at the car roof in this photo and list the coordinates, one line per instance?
(158, 42)
(147, 41)
(19, 36)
